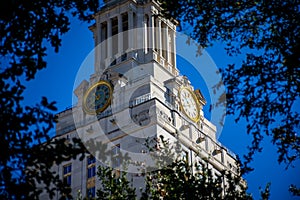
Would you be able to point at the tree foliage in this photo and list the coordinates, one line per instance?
(264, 88)
(114, 185)
(183, 181)
(27, 28)
(177, 181)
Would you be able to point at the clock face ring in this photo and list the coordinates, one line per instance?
(97, 98)
(189, 104)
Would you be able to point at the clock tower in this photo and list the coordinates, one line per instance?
(136, 93)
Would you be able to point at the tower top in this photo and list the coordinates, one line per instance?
(111, 2)
(130, 31)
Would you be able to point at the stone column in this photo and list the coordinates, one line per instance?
(174, 47)
(109, 40)
(130, 30)
(139, 33)
(146, 35)
(166, 35)
(151, 32)
(159, 40)
(120, 36)
(98, 54)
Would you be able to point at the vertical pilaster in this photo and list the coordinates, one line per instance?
(98, 30)
(166, 35)
(130, 31)
(174, 47)
(120, 35)
(109, 40)
(97, 45)
(224, 157)
(146, 36)
(139, 31)
(151, 32)
(159, 37)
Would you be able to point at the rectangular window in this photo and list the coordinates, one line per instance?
(185, 156)
(91, 160)
(91, 166)
(91, 192)
(68, 180)
(116, 162)
(116, 150)
(67, 177)
(91, 171)
(67, 169)
(170, 97)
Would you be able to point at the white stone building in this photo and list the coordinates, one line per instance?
(135, 93)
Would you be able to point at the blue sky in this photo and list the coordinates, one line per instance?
(56, 83)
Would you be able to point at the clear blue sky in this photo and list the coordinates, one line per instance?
(56, 83)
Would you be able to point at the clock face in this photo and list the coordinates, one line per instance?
(97, 98)
(189, 104)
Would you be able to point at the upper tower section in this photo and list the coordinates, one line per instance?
(133, 30)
